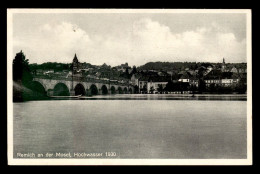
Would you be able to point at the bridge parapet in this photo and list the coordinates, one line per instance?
(82, 79)
(49, 83)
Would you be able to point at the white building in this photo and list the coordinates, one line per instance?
(154, 86)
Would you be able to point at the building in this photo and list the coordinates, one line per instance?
(234, 70)
(209, 69)
(229, 79)
(135, 79)
(153, 87)
(142, 84)
(76, 65)
(214, 77)
(152, 84)
(50, 71)
(157, 83)
(184, 77)
(225, 79)
(122, 67)
(194, 80)
(223, 66)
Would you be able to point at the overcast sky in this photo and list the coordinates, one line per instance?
(134, 38)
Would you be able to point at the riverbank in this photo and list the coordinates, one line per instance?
(230, 97)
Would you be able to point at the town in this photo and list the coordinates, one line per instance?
(151, 78)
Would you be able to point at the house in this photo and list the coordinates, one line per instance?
(194, 80)
(184, 77)
(242, 70)
(227, 79)
(174, 77)
(234, 70)
(236, 78)
(135, 79)
(163, 73)
(209, 69)
(206, 68)
(122, 67)
(142, 84)
(46, 72)
(192, 72)
(218, 77)
(213, 77)
(154, 83)
(201, 70)
(150, 82)
(98, 74)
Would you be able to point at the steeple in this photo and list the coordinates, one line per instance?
(223, 67)
(75, 58)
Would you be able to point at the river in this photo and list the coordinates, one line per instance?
(135, 126)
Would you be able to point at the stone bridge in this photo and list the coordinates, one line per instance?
(77, 86)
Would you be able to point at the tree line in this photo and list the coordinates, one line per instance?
(180, 66)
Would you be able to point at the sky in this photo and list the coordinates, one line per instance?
(136, 38)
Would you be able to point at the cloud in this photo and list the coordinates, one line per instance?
(147, 40)
(201, 44)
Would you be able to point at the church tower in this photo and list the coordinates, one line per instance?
(223, 67)
(75, 63)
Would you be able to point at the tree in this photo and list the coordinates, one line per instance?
(134, 70)
(22, 78)
(212, 87)
(202, 85)
(136, 89)
(160, 88)
(145, 88)
(126, 71)
(193, 88)
(241, 87)
(21, 70)
(152, 89)
(169, 86)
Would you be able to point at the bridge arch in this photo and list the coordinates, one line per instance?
(79, 89)
(104, 90)
(60, 89)
(120, 91)
(37, 88)
(113, 90)
(93, 89)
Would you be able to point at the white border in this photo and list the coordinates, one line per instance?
(12, 161)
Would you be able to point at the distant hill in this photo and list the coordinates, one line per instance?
(168, 66)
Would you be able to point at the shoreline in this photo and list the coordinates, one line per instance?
(230, 97)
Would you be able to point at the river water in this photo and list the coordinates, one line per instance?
(134, 127)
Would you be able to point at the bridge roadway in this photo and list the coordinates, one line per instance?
(81, 86)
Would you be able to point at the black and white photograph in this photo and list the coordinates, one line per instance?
(129, 86)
